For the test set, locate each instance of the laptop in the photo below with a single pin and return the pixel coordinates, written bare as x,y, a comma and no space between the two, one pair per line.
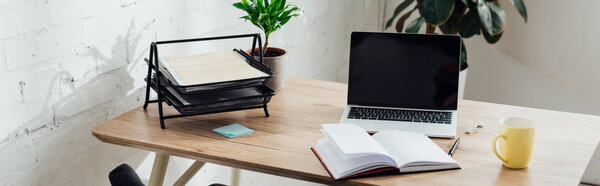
403,82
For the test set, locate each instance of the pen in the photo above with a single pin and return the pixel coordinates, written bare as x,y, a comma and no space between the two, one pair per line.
451,152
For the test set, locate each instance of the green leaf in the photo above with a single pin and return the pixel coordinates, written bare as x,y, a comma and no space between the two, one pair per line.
463,55
521,8
239,5
451,26
415,25
284,21
397,11
288,12
282,4
259,6
498,17
491,16
470,24
277,12
248,8
435,12
274,6
262,17
485,15
268,15
268,21
491,39
274,13
403,18
247,18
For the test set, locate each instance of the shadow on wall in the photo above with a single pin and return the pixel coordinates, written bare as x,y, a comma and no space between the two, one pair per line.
63,151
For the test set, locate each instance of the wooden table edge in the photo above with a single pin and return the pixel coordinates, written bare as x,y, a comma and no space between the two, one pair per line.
215,160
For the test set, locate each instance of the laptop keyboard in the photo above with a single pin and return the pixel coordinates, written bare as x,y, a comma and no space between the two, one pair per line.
400,115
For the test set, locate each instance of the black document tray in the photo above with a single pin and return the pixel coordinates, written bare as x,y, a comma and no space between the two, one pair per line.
208,98
216,101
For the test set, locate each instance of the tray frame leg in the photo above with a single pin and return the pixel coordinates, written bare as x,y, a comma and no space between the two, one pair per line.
148,78
265,107
158,85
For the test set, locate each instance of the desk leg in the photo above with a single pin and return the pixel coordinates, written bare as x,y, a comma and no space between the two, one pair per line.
235,176
189,173
159,169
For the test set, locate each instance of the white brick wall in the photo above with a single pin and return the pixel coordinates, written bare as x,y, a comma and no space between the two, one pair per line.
67,66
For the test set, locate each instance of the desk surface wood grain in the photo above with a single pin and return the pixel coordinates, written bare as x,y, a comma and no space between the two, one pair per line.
280,144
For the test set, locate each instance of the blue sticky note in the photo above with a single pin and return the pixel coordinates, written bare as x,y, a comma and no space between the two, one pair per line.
233,130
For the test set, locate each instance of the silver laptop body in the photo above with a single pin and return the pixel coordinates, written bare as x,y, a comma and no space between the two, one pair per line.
404,82
429,129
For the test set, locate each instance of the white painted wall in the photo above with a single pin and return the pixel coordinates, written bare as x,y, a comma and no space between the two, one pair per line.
550,62
67,66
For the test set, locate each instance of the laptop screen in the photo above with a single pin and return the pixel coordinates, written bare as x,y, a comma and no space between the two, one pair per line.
404,70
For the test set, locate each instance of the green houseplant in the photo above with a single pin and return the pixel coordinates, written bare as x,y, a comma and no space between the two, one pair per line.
269,16
465,17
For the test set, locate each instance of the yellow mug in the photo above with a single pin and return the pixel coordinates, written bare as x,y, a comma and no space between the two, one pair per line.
516,142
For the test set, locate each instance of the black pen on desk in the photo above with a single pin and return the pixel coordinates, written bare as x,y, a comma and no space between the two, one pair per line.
454,147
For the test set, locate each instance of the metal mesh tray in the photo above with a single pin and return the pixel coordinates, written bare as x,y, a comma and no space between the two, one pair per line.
226,85
216,101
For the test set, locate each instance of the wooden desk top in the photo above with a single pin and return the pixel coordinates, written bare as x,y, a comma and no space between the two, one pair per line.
280,144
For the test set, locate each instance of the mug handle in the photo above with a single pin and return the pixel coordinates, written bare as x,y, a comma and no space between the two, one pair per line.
494,146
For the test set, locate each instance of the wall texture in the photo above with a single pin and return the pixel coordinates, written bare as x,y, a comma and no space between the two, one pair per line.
66,66
550,62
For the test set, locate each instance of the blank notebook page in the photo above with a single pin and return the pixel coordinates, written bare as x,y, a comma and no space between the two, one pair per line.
407,147
210,68
351,140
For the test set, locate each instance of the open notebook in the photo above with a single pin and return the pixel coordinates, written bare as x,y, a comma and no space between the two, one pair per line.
348,151
208,68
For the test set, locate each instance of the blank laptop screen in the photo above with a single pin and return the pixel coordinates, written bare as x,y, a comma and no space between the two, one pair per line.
404,70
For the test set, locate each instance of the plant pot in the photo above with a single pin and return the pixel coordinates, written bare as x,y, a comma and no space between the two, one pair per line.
275,60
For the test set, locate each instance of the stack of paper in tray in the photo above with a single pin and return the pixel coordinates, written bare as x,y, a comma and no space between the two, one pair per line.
208,68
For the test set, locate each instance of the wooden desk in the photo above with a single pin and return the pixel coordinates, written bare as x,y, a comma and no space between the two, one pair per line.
280,144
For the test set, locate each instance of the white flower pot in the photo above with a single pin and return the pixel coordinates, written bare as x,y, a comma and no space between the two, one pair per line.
278,66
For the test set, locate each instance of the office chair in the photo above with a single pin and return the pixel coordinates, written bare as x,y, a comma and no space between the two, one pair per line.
124,175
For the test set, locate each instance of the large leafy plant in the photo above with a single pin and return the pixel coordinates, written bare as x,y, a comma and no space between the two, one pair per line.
464,17
268,15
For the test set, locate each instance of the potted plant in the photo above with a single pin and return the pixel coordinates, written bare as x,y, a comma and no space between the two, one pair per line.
464,17
270,16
